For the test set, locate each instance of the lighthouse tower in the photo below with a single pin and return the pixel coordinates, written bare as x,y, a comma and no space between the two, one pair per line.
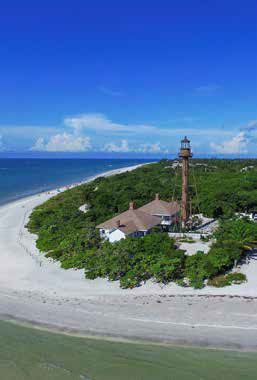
185,153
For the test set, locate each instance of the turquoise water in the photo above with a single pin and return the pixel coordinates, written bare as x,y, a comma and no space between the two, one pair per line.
23,177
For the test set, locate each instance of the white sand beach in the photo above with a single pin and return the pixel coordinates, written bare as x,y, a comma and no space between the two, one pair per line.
35,289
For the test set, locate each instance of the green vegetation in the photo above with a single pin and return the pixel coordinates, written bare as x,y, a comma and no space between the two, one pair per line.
69,235
29,354
241,231
223,254
226,280
135,260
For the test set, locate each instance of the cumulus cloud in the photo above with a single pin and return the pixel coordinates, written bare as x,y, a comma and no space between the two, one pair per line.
150,148
63,143
238,144
73,134
244,140
113,147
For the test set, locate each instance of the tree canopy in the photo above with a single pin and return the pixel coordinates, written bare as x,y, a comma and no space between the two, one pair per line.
219,188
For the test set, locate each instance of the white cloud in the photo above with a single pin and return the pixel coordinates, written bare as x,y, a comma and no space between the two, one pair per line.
238,144
250,126
113,147
63,143
73,134
125,147
150,148
100,123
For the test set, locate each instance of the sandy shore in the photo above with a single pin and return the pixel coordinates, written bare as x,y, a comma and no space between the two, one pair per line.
35,289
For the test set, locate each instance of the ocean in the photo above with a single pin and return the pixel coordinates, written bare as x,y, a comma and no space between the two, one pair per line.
23,177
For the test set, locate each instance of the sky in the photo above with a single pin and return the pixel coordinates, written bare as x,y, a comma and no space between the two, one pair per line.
128,77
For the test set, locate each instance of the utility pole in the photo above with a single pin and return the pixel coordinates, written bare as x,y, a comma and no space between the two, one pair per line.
185,154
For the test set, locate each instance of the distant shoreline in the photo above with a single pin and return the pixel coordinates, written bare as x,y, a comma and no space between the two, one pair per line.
72,184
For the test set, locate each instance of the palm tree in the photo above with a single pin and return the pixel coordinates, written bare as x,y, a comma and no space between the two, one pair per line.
240,231
245,235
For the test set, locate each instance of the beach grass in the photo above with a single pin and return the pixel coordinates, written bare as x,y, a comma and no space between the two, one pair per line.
29,354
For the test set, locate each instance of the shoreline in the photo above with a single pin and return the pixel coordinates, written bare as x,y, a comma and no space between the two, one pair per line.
73,184
35,288
58,330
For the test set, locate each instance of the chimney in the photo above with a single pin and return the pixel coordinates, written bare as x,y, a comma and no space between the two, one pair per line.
117,223
131,205
157,197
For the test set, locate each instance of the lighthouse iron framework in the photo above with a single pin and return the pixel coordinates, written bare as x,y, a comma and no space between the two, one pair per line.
185,153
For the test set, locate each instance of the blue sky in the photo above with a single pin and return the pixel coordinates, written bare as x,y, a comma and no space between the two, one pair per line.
128,76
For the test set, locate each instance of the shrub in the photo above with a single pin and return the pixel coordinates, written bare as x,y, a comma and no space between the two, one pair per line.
134,260
236,278
129,281
223,254
197,269
181,282
218,281
226,280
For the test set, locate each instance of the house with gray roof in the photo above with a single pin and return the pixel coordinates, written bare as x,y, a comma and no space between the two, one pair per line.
139,222
168,212
132,222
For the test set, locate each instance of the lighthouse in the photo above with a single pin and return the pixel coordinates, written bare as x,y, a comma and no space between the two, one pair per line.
185,153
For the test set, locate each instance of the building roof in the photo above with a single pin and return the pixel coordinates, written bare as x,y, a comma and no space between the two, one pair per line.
128,228
130,221
159,207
